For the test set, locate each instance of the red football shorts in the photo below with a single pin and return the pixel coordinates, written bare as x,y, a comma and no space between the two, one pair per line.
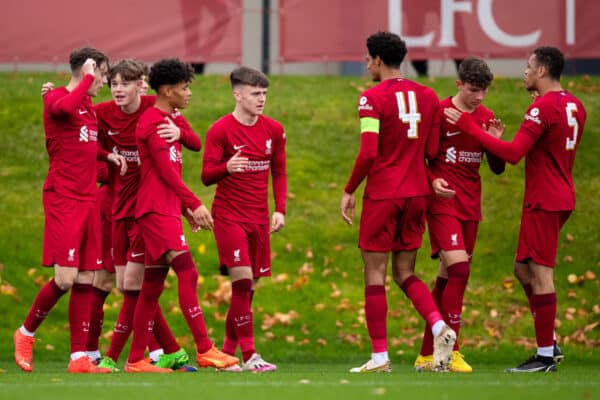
392,225
104,205
538,236
243,244
71,233
128,244
161,233
446,232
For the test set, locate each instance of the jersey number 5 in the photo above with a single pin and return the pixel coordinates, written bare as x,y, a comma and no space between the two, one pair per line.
409,115
572,122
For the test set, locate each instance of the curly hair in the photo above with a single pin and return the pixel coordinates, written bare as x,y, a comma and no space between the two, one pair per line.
78,56
551,58
475,71
390,48
129,69
170,71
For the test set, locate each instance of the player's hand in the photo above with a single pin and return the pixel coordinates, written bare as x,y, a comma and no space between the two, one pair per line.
89,67
452,115
494,127
189,215
47,87
169,131
442,189
202,218
118,160
237,164
277,222
347,207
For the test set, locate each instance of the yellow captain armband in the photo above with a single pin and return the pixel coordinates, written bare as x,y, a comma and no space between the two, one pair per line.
368,124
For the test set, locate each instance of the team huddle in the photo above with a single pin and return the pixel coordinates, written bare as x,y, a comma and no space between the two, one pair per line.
421,158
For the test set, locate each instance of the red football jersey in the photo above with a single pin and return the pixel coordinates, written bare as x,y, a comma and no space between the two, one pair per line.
71,141
116,133
244,196
555,123
458,160
161,189
406,114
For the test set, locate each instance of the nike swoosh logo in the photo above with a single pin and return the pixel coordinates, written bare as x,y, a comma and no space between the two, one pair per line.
136,254
242,323
98,262
81,112
263,270
236,148
111,133
452,133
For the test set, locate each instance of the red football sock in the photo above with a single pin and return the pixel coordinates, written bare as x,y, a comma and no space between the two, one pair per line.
162,337
376,314
436,293
96,318
545,313
230,342
240,315
421,299
79,315
452,299
145,311
187,286
46,298
123,325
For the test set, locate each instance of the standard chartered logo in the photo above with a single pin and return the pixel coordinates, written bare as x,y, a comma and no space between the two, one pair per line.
451,155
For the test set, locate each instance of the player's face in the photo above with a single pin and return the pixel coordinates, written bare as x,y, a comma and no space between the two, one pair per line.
251,99
470,95
100,79
373,67
143,90
531,73
180,95
124,92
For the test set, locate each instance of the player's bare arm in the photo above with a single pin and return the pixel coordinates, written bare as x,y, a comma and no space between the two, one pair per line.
347,207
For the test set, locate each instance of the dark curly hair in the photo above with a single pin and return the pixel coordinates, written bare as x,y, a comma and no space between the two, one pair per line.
390,48
170,71
551,58
78,56
475,71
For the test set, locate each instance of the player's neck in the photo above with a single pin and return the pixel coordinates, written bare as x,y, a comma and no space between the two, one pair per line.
390,73
460,105
133,106
162,103
244,118
549,86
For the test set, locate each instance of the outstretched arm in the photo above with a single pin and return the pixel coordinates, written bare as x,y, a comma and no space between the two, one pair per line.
508,151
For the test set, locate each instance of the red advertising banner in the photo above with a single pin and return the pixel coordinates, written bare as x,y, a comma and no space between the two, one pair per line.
36,31
335,30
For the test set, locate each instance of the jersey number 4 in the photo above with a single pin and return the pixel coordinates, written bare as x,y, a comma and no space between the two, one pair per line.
409,115
572,122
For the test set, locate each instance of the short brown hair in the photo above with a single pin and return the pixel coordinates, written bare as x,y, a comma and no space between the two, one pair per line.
78,56
248,76
129,69
475,71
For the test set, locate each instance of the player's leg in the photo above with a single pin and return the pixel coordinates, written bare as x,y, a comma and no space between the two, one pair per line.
102,285
375,241
407,239
538,244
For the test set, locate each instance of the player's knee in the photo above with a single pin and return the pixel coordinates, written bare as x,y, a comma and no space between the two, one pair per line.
459,271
